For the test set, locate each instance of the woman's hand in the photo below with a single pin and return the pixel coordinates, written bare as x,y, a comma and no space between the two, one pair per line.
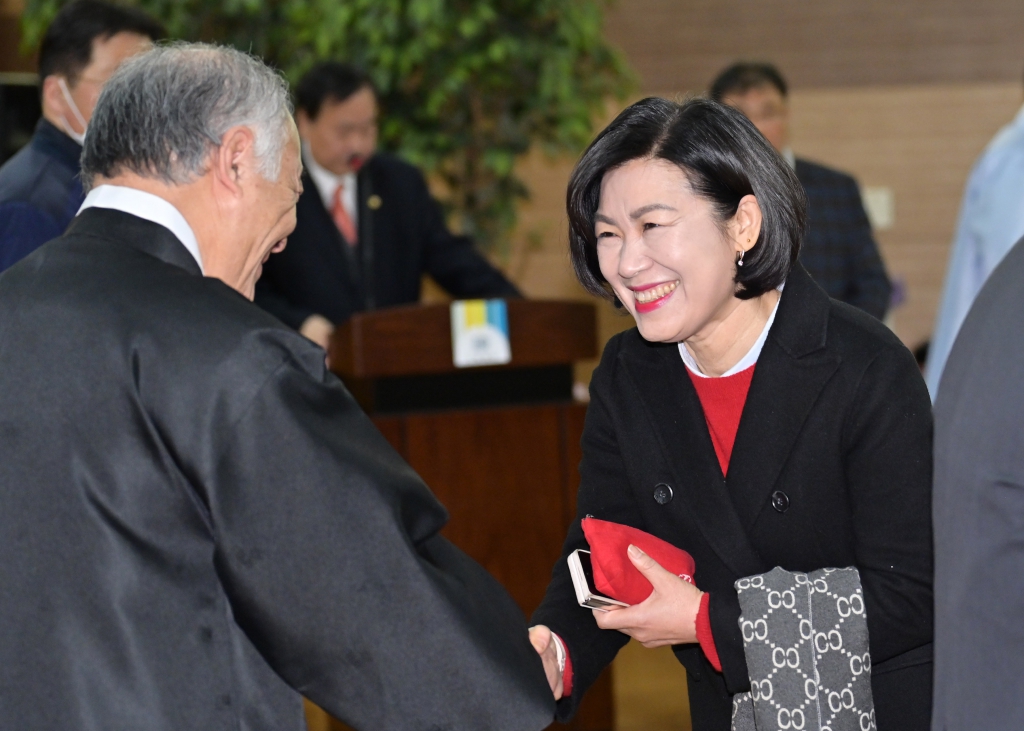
544,643
667,617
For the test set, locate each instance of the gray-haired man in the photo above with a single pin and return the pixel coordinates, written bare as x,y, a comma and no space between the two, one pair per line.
198,522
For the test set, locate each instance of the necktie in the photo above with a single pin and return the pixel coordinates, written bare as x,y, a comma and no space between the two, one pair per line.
341,217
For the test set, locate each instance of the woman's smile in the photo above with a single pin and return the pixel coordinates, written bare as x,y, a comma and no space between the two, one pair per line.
652,296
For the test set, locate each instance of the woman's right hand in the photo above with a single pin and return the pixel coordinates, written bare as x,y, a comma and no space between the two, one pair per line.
543,642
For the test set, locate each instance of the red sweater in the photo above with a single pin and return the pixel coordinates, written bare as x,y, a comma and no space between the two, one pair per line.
722,400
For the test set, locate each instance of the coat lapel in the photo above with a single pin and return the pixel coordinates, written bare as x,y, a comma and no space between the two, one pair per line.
791,372
677,422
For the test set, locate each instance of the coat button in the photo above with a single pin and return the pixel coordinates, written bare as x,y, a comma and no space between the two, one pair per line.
662,493
780,501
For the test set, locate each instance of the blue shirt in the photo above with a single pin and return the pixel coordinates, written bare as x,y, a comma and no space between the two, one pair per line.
991,222
40,192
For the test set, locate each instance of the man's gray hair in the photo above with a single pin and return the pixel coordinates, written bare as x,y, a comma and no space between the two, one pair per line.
165,110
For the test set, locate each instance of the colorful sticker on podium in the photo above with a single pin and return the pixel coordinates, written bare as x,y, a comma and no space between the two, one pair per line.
480,333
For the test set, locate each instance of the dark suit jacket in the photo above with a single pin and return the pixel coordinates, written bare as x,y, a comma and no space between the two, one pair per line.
399,241
199,522
979,513
831,468
40,192
839,250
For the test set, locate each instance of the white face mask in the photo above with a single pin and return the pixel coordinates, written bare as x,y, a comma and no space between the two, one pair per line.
78,137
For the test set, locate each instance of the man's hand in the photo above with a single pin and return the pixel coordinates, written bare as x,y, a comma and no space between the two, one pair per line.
318,329
667,617
544,643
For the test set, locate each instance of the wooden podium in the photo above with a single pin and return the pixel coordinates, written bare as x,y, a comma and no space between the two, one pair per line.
498,445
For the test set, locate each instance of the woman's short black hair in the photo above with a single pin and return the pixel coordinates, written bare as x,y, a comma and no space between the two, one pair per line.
329,80
724,158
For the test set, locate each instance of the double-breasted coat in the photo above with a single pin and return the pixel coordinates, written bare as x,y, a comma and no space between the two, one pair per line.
831,468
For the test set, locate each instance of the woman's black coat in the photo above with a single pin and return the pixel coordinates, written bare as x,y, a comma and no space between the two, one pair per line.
831,468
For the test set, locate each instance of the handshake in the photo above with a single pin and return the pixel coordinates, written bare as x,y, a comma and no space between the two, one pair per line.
668,616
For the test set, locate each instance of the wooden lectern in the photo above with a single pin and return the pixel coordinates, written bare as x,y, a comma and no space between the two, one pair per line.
498,445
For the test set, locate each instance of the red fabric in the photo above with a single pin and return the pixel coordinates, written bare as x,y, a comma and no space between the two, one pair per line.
704,636
615,575
341,218
722,400
567,673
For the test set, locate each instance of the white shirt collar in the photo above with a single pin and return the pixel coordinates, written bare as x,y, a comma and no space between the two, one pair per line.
789,156
148,206
747,360
327,182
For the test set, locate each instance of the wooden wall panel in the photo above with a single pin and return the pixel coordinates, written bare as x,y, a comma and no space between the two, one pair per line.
682,44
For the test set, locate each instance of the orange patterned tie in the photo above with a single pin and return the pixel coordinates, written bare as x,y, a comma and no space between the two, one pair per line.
341,217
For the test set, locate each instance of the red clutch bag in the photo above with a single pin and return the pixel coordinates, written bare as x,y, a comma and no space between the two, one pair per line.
615,575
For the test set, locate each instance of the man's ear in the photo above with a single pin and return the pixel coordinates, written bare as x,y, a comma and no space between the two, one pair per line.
53,100
234,162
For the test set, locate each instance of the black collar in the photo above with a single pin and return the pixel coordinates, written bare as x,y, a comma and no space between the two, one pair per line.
137,233
55,143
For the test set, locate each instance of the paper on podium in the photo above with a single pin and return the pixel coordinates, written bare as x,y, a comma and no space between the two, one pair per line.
480,333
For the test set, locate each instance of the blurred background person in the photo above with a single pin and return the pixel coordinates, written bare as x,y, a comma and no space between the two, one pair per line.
991,221
367,227
979,513
839,249
40,190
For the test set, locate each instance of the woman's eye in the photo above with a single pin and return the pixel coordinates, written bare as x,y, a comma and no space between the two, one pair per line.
605,234
648,226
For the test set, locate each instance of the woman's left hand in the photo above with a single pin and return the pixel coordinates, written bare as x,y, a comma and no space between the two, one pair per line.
667,617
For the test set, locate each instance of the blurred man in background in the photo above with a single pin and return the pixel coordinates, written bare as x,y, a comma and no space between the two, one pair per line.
367,227
839,250
991,221
40,191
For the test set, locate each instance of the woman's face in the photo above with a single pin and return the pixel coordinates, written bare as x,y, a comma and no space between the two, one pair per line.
664,253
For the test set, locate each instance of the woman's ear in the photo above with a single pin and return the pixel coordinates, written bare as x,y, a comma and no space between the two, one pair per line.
746,224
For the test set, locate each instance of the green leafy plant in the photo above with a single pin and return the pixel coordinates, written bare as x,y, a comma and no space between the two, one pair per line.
467,86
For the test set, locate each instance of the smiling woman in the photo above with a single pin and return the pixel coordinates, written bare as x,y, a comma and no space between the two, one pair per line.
748,419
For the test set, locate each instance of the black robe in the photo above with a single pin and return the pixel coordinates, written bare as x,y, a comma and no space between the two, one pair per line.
198,522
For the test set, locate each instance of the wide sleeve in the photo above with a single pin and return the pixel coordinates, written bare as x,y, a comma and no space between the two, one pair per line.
327,545
887,441
603,492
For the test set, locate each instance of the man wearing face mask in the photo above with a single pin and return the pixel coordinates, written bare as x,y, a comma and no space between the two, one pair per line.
40,190
367,227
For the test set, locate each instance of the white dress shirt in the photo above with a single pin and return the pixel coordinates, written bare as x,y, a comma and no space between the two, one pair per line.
327,182
148,206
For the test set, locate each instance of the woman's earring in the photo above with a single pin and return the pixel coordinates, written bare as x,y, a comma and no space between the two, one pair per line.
739,259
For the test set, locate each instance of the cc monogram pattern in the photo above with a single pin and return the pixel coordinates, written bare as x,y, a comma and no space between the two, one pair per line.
805,638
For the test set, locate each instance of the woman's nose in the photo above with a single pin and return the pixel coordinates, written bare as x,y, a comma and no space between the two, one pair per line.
633,257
